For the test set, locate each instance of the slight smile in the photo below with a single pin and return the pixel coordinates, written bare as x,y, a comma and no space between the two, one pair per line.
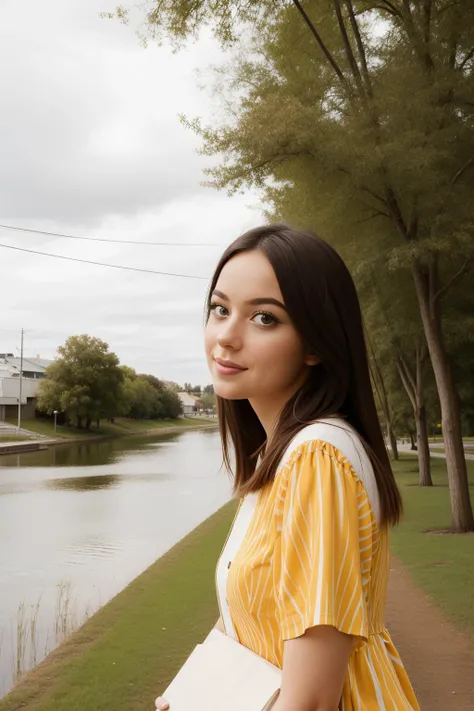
227,367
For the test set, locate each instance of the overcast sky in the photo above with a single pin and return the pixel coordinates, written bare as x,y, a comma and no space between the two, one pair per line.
91,145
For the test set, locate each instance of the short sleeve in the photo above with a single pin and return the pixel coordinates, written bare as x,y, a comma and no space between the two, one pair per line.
324,544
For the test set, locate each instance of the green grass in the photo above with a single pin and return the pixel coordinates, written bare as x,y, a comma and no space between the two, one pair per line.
14,438
119,428
127,653
438,439
441,564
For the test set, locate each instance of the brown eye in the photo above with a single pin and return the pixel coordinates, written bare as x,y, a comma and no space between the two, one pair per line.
265,319
218,310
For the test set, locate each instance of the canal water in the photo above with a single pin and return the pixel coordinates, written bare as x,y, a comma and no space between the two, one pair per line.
78,522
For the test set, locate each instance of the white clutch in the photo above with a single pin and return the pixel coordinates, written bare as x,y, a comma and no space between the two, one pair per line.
223,675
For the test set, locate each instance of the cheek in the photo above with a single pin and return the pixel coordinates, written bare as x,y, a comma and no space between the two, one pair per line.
209,339
281,355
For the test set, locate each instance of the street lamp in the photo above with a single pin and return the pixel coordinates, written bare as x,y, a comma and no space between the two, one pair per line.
55,413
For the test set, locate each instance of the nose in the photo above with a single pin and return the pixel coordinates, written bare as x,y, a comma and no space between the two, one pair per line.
229,334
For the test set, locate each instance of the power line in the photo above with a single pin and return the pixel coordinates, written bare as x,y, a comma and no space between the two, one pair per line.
103,239
102,264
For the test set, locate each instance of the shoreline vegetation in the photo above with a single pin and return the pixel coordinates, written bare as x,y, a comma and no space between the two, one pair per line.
128,652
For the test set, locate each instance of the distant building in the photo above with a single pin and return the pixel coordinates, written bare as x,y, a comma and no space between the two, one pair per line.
33,371
189,402
32,367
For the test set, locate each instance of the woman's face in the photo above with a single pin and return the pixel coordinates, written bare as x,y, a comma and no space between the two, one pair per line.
252,348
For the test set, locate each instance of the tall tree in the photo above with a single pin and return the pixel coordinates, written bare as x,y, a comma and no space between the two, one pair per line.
83,382
327,108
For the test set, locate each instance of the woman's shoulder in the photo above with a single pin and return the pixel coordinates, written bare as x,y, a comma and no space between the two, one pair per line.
333,431
345,443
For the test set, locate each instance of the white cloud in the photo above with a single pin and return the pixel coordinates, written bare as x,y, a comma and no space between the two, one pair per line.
91,145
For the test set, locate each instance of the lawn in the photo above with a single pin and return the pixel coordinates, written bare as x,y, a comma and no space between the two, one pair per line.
439,439
127,653
441,564
14,438
120,427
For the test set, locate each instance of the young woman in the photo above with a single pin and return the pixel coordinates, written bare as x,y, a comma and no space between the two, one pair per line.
303,575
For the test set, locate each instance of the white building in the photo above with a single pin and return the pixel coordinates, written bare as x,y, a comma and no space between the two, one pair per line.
33,373
189,402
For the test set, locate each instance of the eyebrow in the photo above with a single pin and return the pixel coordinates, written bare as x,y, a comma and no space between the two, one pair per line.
253,302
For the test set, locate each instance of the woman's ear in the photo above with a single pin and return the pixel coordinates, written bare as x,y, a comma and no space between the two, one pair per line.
312,359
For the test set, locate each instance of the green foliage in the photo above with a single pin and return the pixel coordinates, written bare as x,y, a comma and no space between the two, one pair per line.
147,397
208,401
172,405
179,20
140,400
155,383
84,382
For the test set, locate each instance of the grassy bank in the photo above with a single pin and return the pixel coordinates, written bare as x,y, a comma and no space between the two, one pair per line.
13,438
441,564
127,653
119,428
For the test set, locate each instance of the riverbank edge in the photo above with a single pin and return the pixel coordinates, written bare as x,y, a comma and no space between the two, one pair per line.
128,651
40,444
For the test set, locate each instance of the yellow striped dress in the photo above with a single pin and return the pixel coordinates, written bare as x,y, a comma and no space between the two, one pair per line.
311,554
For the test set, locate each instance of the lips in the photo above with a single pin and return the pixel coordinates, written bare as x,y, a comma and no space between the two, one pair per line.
228,367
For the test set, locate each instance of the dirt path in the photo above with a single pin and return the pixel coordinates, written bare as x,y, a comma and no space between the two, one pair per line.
438,658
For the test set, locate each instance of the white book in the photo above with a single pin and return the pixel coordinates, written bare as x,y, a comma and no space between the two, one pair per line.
223,675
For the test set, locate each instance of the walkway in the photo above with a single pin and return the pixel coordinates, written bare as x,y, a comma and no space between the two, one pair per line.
468,450
438,658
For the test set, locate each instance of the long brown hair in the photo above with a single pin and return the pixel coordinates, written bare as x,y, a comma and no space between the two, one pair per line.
321,300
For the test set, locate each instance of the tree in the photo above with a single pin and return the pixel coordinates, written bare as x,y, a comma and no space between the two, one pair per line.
172,405
208,401
84,382
155,383
144,396
141,401
325,109
174,387
397,346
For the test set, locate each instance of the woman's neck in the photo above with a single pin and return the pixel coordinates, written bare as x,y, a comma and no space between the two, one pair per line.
268,412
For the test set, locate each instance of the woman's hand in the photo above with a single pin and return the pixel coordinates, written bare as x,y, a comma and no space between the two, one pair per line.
161,703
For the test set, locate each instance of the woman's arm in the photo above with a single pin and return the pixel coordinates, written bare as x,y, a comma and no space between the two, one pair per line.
314,669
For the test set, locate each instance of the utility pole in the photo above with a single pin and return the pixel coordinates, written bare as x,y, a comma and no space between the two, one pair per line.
21,381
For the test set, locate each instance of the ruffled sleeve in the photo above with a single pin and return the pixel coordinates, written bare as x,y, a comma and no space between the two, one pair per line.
324,546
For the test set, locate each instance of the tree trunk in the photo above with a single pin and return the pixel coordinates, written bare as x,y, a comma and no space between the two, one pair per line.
426,284
393,441
79,422
88,423
413,443
424,464
413,383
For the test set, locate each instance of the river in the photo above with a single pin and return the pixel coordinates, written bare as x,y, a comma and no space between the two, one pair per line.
80,521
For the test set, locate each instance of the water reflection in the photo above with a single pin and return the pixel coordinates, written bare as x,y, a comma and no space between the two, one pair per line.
83,483
93,453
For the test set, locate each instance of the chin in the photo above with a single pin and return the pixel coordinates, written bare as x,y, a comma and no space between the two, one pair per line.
230,391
